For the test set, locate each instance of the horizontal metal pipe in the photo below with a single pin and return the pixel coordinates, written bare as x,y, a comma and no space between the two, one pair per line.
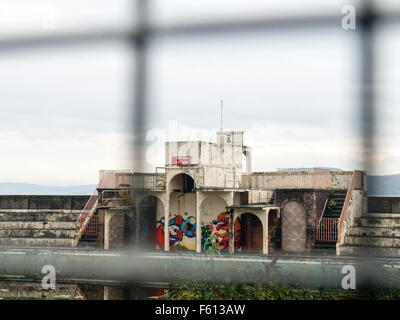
183,29
139,267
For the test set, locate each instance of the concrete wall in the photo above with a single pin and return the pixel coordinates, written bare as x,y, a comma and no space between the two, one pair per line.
313,202
294,225
356,210
213,210
43,202
182,215
384,205
298,180
116,229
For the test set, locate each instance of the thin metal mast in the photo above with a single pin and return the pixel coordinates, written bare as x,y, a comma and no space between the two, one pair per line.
222,106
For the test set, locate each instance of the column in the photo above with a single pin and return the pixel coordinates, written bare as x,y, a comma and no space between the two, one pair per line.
232,232
266,233
107,219
166,223
199,198
137,225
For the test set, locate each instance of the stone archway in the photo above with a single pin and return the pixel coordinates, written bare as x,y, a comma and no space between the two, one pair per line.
181,182
151,212
294,227
121,231
248,234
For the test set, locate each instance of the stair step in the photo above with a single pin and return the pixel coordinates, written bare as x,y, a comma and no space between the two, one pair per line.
35,242
345,250
48,233
372,241
34,290
374,232
43,225
378,222
38,216
383,215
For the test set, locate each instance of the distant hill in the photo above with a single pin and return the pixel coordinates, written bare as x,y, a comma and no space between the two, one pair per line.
34,189
384,185
388,185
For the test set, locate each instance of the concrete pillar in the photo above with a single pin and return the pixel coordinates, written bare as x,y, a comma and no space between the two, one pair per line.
247,153
199,199
166,223
232,232
137,224
107,218
266,233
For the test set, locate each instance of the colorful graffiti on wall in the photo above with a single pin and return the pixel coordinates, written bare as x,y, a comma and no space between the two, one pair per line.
220,227
181,228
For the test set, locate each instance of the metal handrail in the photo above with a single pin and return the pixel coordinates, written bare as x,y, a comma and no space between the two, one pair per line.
322,214
86,214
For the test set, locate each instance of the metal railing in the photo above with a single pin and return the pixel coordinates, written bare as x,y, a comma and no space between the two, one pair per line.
85,223
115,179
322,214
114,197
327,230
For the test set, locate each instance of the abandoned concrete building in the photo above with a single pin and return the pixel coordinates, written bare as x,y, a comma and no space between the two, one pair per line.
209,189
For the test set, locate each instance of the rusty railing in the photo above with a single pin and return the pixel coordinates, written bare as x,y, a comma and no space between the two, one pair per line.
327,230
86,223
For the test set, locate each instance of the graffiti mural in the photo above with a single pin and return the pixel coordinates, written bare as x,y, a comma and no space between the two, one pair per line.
220,227
179,228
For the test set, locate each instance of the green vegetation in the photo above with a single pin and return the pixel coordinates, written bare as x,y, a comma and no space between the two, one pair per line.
211,246
331,204
200,290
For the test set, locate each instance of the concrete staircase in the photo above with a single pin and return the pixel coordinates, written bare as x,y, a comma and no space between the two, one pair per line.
376,234
38,227
338,197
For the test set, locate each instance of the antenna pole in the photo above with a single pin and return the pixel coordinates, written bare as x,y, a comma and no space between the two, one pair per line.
222,106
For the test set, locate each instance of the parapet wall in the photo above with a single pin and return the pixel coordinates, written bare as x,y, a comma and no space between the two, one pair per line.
299,180
35,202
384,205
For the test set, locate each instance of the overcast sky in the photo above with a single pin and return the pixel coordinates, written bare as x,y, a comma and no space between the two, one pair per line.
64,111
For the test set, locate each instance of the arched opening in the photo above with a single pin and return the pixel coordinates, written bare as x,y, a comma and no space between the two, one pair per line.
248,233
294,227
214,220
182,183
182,213
151,230
121,231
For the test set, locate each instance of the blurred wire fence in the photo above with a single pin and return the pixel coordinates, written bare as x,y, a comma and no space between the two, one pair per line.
144,30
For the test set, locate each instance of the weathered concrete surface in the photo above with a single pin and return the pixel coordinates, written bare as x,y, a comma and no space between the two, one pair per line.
362,251
28,216
164,267
372,241
374,232
371,234
33,290
37,227
41,225
35,242
43,202
379,222
46,233
384,205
